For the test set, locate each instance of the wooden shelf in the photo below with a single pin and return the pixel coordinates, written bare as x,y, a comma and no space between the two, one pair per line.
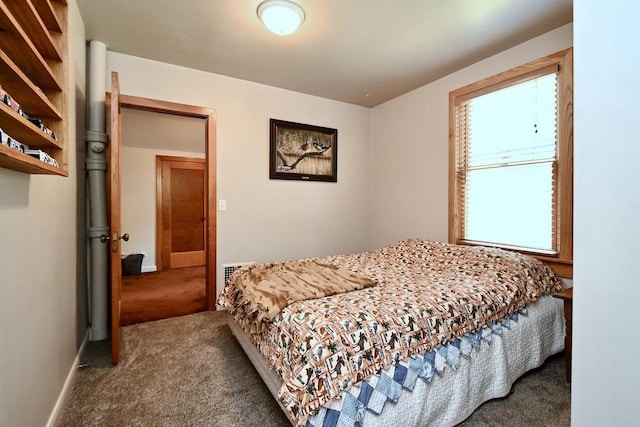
18,85
15,42
27,16
24,131
17,160
33,64
48,15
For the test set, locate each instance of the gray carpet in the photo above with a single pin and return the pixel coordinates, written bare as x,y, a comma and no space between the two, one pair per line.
190,371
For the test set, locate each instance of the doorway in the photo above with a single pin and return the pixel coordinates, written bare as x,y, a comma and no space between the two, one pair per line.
184,281
180,212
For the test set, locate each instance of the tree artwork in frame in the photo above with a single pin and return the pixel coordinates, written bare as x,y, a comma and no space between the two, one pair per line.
303,152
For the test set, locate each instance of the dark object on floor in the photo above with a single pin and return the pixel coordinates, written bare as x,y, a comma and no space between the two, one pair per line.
132,265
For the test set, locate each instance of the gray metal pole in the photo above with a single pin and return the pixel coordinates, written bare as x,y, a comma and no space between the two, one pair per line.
96,138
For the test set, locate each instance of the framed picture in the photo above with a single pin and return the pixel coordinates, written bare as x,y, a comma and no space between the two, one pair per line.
303,152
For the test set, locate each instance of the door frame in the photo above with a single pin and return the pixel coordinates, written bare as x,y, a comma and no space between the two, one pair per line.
115,210
209,116
161,262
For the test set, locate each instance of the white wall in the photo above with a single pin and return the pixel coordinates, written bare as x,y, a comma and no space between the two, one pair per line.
410,147
606,212
268,219
138,168
42,287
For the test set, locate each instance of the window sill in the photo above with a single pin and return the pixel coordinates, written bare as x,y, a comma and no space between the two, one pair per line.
562,267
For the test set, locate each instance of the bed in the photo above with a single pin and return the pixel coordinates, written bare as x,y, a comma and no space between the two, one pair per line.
416,333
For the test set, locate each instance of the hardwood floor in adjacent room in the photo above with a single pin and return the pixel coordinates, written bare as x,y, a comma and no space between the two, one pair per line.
162,294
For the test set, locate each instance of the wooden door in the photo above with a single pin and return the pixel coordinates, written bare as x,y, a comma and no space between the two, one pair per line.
114,216
181,211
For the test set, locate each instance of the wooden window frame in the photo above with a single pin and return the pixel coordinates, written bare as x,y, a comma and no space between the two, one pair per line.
562,262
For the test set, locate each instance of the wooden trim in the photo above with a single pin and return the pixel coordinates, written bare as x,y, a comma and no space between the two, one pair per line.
181,159
63,98
164,219
212,223
565,154
513,76
173,108
209,115
187,259
562,267
454,219
115,209
159,263
166,107
567,296
563,62
493,84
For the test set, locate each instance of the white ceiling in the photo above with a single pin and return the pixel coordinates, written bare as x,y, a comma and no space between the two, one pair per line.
363,52
157,131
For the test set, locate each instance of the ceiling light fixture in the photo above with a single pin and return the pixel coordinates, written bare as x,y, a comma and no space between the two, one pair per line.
281,17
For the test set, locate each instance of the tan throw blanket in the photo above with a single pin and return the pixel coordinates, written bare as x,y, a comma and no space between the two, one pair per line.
268,288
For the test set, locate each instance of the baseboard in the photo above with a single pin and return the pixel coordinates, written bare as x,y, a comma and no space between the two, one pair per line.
65,393
149,268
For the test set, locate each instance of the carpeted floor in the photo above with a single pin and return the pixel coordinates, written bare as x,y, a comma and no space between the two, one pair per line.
162,294
190,371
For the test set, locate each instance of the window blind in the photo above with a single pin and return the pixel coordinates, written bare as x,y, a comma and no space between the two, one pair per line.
507,165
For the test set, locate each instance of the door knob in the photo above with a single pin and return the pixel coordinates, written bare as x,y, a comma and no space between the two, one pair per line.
114,239
104,237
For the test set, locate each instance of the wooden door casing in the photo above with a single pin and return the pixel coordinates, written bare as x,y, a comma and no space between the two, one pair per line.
209,117
180,212
114,216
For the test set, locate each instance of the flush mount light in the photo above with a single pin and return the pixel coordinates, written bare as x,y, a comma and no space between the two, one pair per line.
281,17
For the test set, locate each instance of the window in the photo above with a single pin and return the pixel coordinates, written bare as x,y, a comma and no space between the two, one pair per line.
511,161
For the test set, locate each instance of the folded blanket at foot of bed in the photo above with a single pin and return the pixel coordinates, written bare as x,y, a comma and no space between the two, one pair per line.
268,288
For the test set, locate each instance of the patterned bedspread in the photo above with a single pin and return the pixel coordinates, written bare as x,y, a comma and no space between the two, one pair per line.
428,295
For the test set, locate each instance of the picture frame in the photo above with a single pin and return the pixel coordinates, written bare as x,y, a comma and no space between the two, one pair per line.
303,152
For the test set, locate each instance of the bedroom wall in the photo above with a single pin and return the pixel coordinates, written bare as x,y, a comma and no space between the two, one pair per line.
268,219
139,199
42,269
409,147
606,210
